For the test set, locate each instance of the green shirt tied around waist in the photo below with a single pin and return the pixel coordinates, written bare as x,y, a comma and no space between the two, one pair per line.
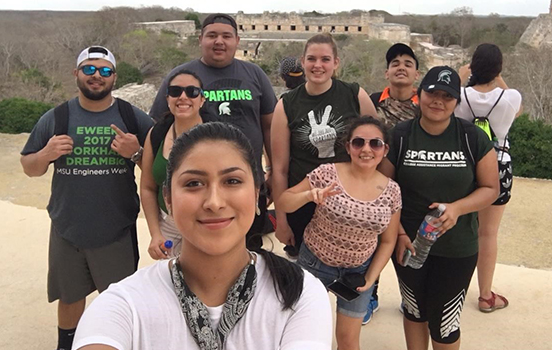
159,170
435,169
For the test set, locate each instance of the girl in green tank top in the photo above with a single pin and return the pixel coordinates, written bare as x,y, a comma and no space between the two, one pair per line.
184,98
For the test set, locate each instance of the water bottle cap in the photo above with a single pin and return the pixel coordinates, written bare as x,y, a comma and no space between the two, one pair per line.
442,207
168,244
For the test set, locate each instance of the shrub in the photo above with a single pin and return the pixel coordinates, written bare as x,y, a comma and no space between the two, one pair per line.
126,74
170,57
19,115
191,16
531,148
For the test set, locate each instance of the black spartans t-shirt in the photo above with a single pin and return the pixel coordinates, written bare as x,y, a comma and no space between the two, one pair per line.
317,126
435,169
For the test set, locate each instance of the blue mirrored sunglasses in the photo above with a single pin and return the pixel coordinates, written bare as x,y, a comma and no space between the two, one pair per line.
89,69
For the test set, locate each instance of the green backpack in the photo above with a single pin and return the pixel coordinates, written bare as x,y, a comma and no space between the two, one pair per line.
483,122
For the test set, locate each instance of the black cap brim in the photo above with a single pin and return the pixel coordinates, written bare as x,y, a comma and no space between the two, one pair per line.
446,88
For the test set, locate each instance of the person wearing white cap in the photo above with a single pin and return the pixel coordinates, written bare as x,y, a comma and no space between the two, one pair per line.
94,141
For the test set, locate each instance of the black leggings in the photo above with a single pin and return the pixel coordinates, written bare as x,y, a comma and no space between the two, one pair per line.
435,294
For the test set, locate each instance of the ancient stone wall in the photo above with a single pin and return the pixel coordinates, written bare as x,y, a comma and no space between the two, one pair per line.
539,32
390,32
183,28
140,95
417,38
293,22
452,56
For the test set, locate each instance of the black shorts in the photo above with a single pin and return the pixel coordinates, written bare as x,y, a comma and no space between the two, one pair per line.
505,178
435,294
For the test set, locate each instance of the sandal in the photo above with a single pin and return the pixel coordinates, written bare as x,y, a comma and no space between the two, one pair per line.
492,303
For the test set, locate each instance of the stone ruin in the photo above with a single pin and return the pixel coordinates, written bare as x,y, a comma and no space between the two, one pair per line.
539,31
140,95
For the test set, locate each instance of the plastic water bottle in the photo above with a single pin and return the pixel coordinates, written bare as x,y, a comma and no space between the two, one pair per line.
425,237
168,246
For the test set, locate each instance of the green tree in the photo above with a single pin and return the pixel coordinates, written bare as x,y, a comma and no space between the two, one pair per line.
192,16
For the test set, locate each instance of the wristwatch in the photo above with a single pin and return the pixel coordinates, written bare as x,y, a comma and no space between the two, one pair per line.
135,158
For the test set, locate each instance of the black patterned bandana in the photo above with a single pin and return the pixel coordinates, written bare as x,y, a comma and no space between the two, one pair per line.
196,313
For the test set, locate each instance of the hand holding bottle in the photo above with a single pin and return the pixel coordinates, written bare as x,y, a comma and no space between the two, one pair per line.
447,219
166,247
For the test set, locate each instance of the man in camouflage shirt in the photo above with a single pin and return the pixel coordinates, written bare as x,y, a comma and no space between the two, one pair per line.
398,101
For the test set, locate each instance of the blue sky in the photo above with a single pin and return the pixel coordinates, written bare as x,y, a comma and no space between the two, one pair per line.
503,7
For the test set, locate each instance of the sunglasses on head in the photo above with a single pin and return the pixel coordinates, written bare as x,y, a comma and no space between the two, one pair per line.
89,69
359,142
191,91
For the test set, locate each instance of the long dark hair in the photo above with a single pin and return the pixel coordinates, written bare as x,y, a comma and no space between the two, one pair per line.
486,64
286,276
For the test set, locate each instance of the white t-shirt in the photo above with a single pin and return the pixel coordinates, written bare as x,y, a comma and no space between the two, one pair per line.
502,116
142,312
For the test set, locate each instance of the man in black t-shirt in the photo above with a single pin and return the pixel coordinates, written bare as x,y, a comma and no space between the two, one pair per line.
236,92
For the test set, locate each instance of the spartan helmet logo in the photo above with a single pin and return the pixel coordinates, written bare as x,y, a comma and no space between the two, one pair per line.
444,76
224,108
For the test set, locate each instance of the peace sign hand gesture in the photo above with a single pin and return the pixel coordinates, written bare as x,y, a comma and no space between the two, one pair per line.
318,195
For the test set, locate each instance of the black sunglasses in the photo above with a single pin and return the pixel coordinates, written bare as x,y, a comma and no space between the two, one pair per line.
359,142
191,91
89,69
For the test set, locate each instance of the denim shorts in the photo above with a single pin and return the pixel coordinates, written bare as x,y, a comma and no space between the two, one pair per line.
327,274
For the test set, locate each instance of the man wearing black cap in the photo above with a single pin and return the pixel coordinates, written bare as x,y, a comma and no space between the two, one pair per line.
398,101
93,141
236,92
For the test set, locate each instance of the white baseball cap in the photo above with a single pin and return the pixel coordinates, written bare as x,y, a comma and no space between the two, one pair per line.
96,52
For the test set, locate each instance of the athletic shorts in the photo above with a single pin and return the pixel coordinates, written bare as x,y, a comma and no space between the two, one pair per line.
73,273
435,294
505,177
327,274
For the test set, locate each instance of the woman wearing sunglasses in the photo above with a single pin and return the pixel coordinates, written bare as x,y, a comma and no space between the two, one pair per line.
309,123
185,98
439,159
356,205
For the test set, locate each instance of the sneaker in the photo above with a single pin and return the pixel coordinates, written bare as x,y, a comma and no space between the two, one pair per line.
373,306
401,308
